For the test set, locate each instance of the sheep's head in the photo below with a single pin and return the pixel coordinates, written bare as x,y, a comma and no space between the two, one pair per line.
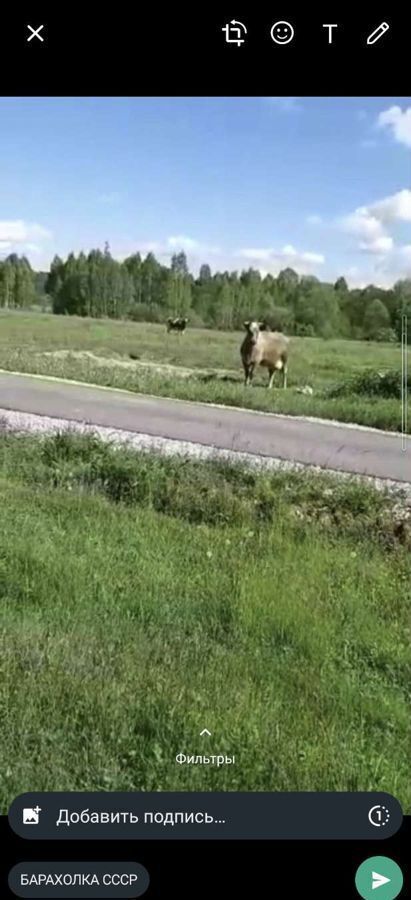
253,329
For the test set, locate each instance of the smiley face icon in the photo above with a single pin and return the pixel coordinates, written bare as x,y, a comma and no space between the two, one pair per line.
282,32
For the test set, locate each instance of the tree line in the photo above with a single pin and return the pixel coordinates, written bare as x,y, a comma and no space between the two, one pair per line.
143,289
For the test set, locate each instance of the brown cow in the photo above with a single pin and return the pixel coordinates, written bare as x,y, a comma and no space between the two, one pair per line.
178,324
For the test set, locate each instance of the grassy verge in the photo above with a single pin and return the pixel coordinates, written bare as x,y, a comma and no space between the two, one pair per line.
203,365
144,598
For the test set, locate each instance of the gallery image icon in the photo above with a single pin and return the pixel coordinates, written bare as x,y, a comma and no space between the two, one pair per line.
235,32
31,815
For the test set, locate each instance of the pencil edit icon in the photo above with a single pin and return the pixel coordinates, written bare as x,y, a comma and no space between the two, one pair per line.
378,33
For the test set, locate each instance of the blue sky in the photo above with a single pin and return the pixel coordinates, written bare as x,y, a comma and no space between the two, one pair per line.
321,184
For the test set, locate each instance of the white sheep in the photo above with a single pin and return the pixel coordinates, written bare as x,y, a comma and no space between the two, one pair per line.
264,348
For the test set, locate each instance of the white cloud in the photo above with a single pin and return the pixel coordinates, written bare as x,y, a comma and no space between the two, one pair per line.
404,261
275,260
189,245
178,243
16,231
286,104
270,259
313,219
18,236
405,250
382,244
370,223
387,268
396,264
196,251
33,248
261,253
397,121
362,224
353,275
372,226
316,258
395,207
182,242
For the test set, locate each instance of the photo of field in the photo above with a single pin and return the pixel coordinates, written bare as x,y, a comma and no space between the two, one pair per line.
205,483
351,381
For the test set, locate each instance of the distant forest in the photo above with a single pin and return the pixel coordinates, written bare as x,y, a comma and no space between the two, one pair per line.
143,289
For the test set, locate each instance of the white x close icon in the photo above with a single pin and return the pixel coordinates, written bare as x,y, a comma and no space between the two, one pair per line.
35,33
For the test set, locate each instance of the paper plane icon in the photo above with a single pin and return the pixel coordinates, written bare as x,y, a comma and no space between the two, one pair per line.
378,880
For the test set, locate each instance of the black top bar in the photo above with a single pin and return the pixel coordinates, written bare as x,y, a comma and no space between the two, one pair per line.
155,52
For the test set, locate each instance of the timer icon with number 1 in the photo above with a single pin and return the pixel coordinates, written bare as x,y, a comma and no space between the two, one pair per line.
379,816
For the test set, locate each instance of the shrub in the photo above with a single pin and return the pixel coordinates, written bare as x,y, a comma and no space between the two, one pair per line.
386,335
144,312
370,383
303,330
280,318
213,493
194,319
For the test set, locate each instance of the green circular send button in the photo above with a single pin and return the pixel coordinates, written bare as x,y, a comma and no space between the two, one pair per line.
379,878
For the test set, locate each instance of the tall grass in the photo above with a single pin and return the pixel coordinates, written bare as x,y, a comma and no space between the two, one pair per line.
146,598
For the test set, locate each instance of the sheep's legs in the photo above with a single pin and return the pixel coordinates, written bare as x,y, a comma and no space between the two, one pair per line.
272,373
249,372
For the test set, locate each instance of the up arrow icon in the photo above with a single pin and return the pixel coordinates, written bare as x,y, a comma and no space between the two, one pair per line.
205,731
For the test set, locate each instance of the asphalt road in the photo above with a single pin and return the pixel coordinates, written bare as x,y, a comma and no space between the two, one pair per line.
327,445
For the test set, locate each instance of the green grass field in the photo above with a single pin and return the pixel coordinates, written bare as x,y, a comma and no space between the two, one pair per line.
200,365
144,598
